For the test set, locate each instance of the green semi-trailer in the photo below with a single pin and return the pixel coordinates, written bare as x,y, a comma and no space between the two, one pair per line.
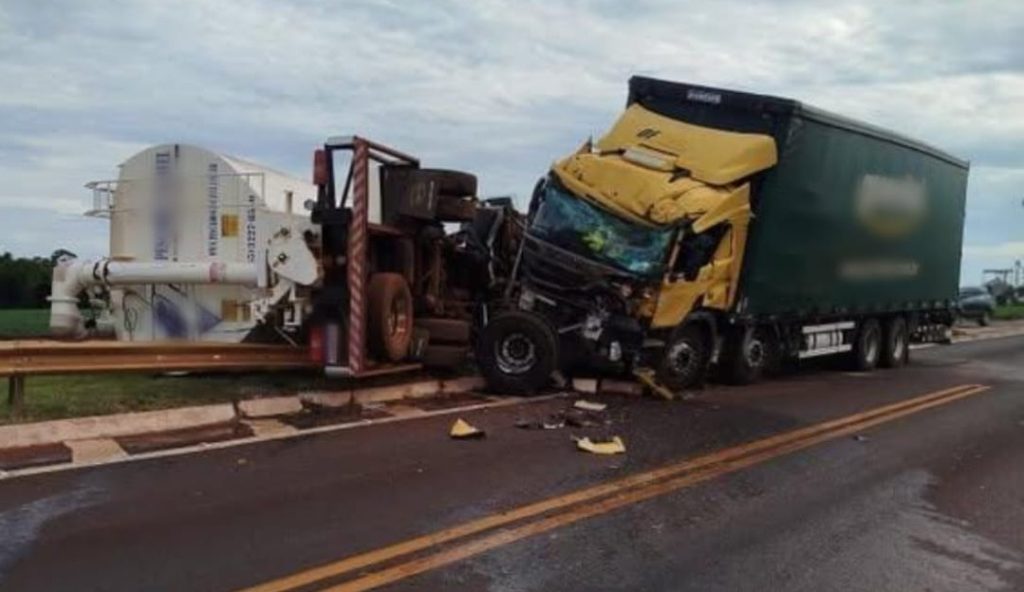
713,226
852,219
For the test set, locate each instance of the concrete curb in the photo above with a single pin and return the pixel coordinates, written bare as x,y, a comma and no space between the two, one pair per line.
269,407
380,394
133,424
112,426
966,337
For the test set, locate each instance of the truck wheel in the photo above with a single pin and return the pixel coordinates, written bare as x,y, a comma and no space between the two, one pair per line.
895,343
985,319
389,316
868,346
517,353
748,354
685,359
455,209
449,182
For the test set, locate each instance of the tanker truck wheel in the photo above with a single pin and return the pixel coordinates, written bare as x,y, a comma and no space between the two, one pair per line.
517,352
895,343
389,316
685,359
867,347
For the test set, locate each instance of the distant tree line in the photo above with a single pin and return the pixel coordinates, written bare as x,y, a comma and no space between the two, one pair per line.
25,282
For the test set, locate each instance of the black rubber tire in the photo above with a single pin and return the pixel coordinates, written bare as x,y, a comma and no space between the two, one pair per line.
867,346
895,343
445,330
455,209
517,352
389,318
682,374
450,182
445,356
748,354
985,319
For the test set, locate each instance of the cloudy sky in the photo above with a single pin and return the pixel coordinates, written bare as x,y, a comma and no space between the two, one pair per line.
498,88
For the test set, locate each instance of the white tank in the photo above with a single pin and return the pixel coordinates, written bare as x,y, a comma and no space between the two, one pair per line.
176,202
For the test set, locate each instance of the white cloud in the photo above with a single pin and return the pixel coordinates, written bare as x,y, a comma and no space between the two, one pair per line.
499,88
51,169
1004,250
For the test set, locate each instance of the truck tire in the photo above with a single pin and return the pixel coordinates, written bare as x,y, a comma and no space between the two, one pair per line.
389,316
867,346
895,343
747,355
445,330
449,182
444,356
517,352
456,209
685,359
985,319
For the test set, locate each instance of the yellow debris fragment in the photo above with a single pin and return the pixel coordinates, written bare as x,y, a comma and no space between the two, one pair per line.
646,377
462,429
613,446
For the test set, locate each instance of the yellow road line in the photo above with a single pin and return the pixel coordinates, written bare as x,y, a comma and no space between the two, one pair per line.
603,506
611,488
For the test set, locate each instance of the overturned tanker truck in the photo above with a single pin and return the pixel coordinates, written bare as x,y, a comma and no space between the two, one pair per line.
378,266
717,228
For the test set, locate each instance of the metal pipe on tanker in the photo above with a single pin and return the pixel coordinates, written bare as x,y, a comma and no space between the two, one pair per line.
175,272
71,276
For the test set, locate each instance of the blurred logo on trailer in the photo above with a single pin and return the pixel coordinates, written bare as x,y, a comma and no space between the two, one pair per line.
890,207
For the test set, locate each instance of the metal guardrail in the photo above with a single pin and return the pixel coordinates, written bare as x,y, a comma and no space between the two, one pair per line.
19,359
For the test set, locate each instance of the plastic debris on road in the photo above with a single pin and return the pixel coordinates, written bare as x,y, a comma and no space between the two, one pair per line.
613,445
463,430
553,422
579,418
527,424
589,405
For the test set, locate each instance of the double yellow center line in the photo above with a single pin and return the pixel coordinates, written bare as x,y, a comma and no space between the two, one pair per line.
566,509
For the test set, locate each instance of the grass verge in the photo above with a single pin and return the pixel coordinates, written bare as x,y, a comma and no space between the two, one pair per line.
59,397
24,322
1010,312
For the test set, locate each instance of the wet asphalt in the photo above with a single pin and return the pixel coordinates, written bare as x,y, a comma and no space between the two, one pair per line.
933,501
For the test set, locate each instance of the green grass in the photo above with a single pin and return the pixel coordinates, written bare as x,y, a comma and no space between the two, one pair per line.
1010,312
58,397
24,322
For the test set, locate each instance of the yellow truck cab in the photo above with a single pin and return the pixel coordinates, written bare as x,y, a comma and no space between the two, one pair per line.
637,252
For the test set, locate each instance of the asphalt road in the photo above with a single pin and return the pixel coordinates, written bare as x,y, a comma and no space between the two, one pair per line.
933,500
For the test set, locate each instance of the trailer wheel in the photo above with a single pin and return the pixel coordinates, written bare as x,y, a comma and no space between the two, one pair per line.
517,353
748,354
685,359
895,345
389,316
868,346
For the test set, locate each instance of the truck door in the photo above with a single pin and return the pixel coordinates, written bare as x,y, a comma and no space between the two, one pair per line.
705,265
